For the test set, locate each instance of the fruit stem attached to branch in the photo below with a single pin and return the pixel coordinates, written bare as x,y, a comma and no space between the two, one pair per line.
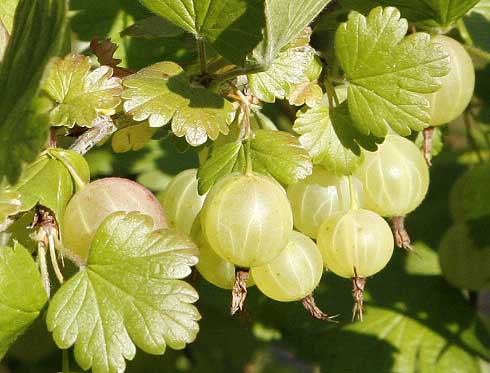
245,103
309,304
353,196
239,291
402,238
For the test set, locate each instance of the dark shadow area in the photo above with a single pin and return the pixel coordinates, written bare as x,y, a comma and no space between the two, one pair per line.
304,340
198,97
96,18
478,27
349,135
243,33
432,218
167,159
430,301
482,91
102,19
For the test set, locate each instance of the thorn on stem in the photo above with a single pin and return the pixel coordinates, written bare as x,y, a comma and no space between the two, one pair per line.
402,238
239,291
358,293
428,134
309,304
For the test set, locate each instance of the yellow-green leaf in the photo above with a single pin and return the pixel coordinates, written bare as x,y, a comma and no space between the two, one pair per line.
161,93
388,73
79,95
130,294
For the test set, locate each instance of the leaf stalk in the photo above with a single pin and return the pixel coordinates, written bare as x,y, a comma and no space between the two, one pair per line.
201,51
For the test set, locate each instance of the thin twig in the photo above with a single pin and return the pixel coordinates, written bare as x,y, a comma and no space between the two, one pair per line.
103,127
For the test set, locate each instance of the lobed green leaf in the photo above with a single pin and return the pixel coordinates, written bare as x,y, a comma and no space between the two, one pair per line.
131,293
474,33
388,72
161,93
289,68
330,137
78,94
231,26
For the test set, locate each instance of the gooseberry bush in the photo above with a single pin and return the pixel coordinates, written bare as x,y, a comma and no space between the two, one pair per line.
244,185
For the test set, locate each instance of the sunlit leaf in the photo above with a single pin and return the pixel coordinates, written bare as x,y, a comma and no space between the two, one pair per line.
130,294
388,72
161,93
288,68
233,27
80,95
284,21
